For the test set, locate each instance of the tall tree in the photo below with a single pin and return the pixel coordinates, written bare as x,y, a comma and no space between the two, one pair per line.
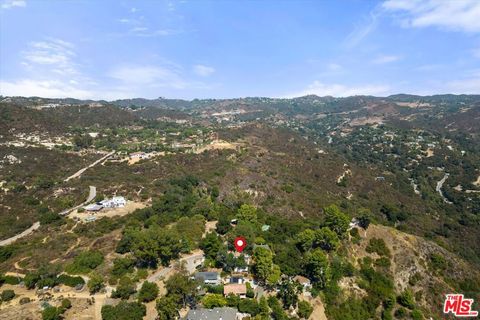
336,220
317,267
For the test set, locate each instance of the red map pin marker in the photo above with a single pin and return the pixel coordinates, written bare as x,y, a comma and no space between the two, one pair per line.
240,243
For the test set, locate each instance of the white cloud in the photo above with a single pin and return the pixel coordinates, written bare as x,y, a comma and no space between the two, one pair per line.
139,28
42,88
456,15
133,10
383,59
54,54
362,30
339,90
146,32
203,71
8,4
155,76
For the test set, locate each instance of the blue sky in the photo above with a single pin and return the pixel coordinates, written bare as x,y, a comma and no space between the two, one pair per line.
225,49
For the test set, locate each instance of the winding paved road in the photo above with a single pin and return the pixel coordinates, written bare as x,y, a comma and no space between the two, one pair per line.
92,194
25,233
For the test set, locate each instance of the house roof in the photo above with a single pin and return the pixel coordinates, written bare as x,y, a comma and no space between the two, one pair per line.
212,314
93,207
206,276
302,280
235,289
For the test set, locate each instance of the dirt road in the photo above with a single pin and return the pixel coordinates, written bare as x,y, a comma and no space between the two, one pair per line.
79,172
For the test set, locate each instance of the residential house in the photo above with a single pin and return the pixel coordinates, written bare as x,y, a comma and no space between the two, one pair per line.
238,289
305,282
212,314
211,278
237,279
247,259
139,155
115,202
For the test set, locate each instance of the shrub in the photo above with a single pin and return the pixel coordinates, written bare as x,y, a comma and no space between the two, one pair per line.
7,295
124,311
122,266
378,246
148,292
406,299
124,289
305,309
11,280
383,262
66,304
437,261
5,253
400,313
69,280
24,300
416,315
95,283
49,217
51,313
85,262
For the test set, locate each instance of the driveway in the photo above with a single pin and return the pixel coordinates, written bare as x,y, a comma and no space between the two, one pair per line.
79,172
91,195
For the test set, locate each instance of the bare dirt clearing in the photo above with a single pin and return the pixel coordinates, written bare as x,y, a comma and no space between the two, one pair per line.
108,212
217,145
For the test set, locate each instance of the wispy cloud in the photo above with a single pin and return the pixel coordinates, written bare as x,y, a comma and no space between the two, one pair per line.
459,15
51,72
8,4
202,70
339,90
363,29
43,88
55,53
150,75
384,59
139,27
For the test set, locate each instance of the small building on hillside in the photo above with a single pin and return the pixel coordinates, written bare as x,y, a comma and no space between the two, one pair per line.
211,278
212,314
305,282
93,207
238,289
115,202
139,155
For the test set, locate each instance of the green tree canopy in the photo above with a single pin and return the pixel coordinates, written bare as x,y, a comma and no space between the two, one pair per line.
336,220
248,213
317,267
213,300
148,292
